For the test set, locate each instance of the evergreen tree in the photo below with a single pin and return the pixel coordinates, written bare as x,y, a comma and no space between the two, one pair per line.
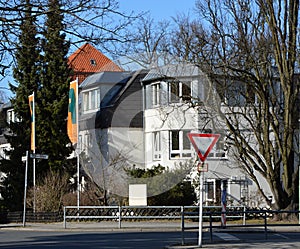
26,74
52,100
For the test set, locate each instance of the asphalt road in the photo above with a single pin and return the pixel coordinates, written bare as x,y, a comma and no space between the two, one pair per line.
73,239
159,238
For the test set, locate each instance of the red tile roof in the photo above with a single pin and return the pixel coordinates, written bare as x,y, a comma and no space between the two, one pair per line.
88,60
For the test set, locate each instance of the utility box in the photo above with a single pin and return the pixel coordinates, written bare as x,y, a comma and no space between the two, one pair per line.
138,195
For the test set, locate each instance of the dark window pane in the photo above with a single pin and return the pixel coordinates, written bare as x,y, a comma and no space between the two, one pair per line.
175,140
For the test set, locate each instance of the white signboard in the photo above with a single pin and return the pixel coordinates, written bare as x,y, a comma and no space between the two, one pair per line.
138,195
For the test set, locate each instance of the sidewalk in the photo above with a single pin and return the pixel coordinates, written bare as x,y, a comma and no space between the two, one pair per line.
98,226
141,225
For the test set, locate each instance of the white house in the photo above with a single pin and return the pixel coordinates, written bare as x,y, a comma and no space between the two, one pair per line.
176,103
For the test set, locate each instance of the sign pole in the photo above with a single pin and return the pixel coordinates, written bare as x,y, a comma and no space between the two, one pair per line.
25,190
201,181
203,143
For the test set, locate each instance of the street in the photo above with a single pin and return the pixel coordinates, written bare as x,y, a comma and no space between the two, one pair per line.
17,238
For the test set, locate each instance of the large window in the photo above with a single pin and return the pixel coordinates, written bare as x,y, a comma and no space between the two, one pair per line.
179,91
180,146
169,92
156,146
91,100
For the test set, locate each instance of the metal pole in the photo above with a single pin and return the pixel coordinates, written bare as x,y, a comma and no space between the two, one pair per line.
65,223
182,225
34,186
78,182
200,208
78,146
120,216
25,190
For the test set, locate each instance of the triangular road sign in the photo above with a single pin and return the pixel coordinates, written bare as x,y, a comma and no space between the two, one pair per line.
203,143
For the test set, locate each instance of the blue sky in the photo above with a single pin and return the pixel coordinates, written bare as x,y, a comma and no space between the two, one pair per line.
159,9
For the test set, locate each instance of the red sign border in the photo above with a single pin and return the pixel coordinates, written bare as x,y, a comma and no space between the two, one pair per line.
191,138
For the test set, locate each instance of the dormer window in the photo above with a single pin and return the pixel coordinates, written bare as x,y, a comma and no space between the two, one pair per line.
93,62
91,100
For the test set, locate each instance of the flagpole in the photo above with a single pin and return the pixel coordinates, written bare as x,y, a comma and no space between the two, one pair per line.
33,148
77,147
25,190
73,128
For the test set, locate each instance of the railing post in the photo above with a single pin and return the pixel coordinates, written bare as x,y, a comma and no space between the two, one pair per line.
120,215
210,227
244,216
266,233
65,224
182,225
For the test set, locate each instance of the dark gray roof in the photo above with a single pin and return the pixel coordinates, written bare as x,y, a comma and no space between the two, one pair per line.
172,71
6,105
126,108
105,78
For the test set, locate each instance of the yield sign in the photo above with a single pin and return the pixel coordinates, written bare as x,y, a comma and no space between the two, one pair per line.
203,143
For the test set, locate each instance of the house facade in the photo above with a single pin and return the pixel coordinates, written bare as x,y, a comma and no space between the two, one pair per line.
111,127
175,101
143,119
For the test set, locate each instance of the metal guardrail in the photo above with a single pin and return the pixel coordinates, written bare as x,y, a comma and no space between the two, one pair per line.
265,214
121,213
182,213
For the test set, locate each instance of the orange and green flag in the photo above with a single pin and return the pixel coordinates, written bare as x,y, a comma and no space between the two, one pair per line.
32,121
72,112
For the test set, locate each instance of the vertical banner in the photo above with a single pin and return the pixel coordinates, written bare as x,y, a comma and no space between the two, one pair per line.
73,113
32,121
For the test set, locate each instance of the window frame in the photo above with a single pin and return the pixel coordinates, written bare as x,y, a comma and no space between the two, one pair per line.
182,151
180,96
156,138
156,91
91,100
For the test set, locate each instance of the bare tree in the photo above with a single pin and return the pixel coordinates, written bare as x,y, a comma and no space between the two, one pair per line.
250,50
149,43
98,22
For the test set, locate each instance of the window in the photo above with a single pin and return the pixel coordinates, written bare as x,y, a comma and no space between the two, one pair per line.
156,146
212,191
186,91
155,94
91,100
174,92
11,116
86,142
180,146
93,62
219,150
179,91
169,92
